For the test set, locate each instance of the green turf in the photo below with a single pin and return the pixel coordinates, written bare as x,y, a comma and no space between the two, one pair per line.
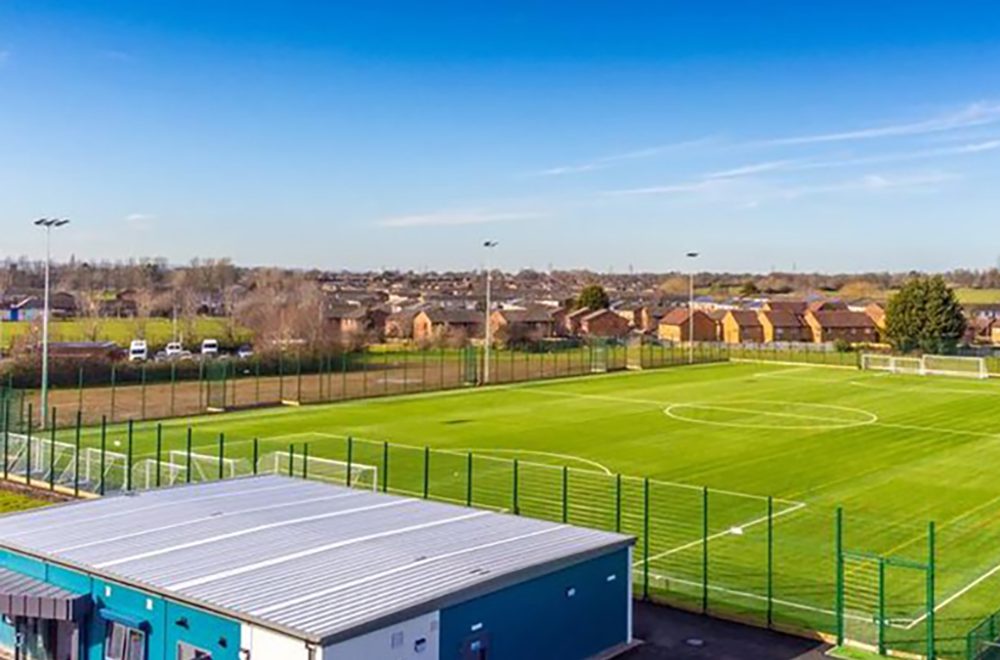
11,501
894,451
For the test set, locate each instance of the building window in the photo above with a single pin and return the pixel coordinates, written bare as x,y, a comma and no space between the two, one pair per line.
124,643
187,652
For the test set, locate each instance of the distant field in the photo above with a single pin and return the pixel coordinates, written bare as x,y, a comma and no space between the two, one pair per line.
978,296
121,331
894,451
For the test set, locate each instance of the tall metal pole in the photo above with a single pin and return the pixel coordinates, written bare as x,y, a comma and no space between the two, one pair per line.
488,334
691,255
48,224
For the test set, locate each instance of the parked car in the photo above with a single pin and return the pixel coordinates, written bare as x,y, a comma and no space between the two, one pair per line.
209,347
173,349
244,352
138,351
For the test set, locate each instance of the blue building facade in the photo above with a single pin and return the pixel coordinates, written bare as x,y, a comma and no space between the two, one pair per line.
429,583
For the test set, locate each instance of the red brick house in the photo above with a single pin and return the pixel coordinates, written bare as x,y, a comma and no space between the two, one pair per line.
431,324
739,326
676,326
603,323
854,327
780,325
522,324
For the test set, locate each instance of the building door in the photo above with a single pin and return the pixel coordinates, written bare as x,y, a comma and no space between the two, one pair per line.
35,639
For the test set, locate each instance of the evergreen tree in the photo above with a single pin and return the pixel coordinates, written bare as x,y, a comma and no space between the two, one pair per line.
925,314
593,297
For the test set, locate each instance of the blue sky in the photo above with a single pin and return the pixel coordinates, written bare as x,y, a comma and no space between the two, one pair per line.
821,136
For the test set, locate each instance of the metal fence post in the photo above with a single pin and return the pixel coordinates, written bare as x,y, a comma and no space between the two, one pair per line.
222,456
881,606
350,459
159,451
173,386
142,390
427,471
76,456
770,561
6,436
104,449
187,466
128,458
385,466
305,460
256,455
931,570
704,549
52,450
468,479
514,503
291,460
565,494
31,415
79,389
839,543
645,538
618,502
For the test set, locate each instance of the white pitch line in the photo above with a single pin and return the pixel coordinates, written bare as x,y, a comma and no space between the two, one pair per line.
721,534
958,594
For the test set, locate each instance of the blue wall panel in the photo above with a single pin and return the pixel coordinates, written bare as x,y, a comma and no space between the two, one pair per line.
539,620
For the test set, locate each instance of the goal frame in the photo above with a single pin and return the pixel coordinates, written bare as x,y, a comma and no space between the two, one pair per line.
923,365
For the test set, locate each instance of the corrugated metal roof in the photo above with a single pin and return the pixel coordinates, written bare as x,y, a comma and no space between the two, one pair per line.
318,561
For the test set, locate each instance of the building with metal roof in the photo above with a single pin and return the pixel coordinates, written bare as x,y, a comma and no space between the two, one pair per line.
280,568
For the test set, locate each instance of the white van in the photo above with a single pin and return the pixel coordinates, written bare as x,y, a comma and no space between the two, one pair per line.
138,351
210,347
174,349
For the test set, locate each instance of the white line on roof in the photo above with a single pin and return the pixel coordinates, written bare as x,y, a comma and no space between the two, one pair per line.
133,511
212,516
320,549
399,569
250,530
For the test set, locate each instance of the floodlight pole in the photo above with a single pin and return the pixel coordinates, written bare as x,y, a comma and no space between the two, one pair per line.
691,255
489,245
48,224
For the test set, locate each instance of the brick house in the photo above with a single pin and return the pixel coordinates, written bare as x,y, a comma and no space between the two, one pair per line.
356,321
431,324
522,324
648,317
739,326
876,313
854,327
995,333
789,306
677,323
603,323
399,325
780,325
573,321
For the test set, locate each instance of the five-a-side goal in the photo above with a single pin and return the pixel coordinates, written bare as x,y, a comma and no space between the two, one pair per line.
926,365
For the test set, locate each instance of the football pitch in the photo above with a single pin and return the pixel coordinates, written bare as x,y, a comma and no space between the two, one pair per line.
895,452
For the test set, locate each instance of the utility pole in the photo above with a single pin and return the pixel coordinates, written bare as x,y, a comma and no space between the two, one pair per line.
489,245
48,224
691,255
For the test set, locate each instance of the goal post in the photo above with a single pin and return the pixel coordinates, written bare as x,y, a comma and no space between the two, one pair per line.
322,469
207,467
959,366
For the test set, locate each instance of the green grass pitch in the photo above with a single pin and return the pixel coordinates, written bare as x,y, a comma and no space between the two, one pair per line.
893,451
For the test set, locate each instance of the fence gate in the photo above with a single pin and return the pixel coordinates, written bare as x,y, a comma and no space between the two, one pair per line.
885,602
598,356
12,410
216,372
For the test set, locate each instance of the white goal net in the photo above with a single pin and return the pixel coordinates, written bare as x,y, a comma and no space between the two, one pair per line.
207,467
322,469
927,365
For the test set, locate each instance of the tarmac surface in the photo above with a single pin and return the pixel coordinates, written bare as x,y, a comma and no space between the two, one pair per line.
679,635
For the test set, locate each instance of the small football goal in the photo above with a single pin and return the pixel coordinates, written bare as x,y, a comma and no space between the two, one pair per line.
356,475
927,365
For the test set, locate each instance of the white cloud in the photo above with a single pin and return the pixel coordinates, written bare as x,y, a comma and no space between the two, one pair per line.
975,114
691,187
875,183
457,218
754,168
608,161
141,221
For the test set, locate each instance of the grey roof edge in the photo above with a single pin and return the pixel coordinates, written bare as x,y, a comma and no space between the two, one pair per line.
478,590
462,595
